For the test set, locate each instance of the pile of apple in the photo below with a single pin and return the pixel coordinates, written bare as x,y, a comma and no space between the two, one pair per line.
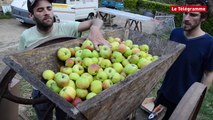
87,72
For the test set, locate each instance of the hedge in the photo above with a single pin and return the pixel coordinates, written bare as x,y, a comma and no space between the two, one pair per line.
163,7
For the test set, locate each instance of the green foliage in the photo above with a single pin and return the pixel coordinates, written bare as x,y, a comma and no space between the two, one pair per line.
206,111
130,4
163,7
7,15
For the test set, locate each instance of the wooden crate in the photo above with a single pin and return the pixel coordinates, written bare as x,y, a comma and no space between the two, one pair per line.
115,103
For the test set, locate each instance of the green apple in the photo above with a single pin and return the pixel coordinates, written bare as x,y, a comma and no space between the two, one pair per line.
100,59
123,74
155,57
135,46
116,78
71,84
149,57
94,60
117,39
78,53
96,86
101,75
111,39
143,62
128,52
48,74
70,62
130,69
109,71
142,54
128,43
144,48
87,62
134,59
82,83
78,60
66,70
63,53
125,62
93,69
105,63
68,93
86,53
78,69
90,95
114,45
95,54
61,79
76,48
55,88
117,57
105,52
88,76
81,93
87,44
118,67
107,83
49,82
74,76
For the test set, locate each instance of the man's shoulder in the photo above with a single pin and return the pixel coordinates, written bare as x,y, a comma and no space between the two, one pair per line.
67,23
28,31
177,30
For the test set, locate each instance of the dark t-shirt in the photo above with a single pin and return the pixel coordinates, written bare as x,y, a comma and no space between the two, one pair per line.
189,66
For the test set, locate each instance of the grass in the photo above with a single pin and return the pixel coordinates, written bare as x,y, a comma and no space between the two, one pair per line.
206,111
25,91
5,16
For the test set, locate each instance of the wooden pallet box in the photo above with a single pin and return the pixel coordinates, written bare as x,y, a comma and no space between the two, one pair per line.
114,103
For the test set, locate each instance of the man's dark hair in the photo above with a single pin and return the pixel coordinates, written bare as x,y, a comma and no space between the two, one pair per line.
201,2
32,3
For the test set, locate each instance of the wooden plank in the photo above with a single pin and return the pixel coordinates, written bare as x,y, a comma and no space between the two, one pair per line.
190,104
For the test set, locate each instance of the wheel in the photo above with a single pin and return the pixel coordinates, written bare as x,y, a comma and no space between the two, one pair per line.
91,16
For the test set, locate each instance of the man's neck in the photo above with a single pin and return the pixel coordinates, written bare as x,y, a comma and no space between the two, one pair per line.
194,33
44,30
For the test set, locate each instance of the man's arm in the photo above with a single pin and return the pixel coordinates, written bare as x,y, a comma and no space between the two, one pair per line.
95,34
208,79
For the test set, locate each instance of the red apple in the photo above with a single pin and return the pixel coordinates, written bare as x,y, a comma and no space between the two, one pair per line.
135,50
76,101
68,93
122,48
72,50
93,69
87,44
107,83
70,62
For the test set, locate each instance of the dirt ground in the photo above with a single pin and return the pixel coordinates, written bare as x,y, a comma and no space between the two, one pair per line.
10,30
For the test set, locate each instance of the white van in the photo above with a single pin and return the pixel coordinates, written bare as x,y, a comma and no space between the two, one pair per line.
64,10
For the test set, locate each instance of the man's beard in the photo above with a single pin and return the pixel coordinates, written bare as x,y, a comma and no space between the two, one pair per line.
189,27
42,25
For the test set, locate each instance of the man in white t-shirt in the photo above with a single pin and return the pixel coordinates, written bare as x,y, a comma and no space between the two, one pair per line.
41,12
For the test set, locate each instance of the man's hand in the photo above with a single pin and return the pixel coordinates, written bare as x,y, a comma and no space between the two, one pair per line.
97,38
